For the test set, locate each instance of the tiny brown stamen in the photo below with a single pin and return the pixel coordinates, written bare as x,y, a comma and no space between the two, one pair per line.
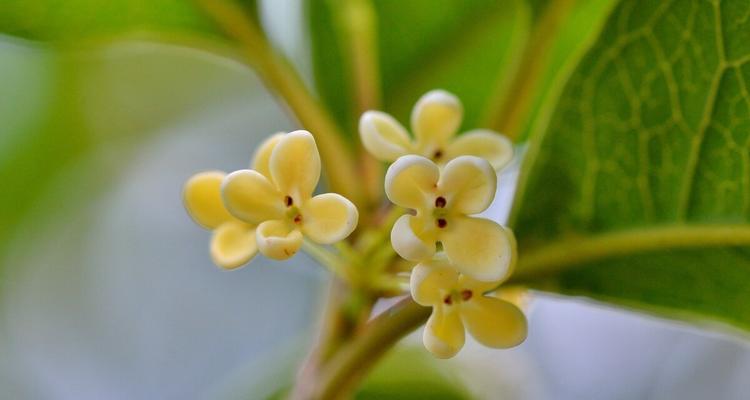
438,154
288,201
297,219
466,294
448,300
440,202
441,222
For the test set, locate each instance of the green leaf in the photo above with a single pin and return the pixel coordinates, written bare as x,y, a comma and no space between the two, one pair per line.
59,107
464,47
72,20
638,191
411,373
578,29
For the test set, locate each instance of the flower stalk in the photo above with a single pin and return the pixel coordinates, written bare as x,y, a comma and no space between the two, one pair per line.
282,79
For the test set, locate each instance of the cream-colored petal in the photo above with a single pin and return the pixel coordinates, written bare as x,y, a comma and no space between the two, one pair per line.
251,197
479,287
383,136
278,240
490,145
479,248
431,281
444,333
436,118
328,218
493,322
202,198
295,165
410,241
233,244
262,158
469,184
411,181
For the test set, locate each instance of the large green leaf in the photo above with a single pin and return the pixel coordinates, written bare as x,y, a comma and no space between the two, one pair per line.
464,47
638,192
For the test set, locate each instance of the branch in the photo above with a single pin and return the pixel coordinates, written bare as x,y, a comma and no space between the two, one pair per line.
354,360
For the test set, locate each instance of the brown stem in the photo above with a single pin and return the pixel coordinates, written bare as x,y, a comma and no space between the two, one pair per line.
353,360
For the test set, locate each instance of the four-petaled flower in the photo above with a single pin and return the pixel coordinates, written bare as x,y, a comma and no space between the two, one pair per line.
459,301
435,120
444,202
233,241
280,203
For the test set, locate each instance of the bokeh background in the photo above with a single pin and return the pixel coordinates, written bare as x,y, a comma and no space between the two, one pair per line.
107,290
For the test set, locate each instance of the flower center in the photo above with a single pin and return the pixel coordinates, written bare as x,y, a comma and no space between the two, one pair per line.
439,212
438,154
456,296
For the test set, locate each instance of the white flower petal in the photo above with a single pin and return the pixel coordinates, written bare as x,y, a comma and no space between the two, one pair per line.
411,181
493,322
479,248
383,136
431,281
410,241
436,118
278,239
262,158
233,244
295,165
251,197
328,218
202,198
492,146
469,184
444,333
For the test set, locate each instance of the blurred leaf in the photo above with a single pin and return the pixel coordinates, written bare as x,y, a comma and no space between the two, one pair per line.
71,20
411,373
638,192
464,47
59,106
32,147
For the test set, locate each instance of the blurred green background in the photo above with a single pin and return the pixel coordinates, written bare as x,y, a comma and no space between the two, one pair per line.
106,287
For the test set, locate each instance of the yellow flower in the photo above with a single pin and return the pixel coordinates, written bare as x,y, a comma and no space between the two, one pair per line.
444,201
233,241
459,301
435,120
281,204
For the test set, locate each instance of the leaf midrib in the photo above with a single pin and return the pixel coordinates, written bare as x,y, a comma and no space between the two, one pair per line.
552,258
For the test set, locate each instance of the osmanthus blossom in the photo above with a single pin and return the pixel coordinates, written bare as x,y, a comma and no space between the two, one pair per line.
233,241
281,204
435,120
444,202
459,303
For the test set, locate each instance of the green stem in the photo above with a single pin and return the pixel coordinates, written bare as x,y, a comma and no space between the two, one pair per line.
517,99
327,259
353,360
356,20
282,79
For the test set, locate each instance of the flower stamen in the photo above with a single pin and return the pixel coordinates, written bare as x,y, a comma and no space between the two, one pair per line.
440,202
441,223
288,201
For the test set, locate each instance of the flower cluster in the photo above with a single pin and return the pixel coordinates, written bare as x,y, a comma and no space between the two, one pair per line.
269,208
459,256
